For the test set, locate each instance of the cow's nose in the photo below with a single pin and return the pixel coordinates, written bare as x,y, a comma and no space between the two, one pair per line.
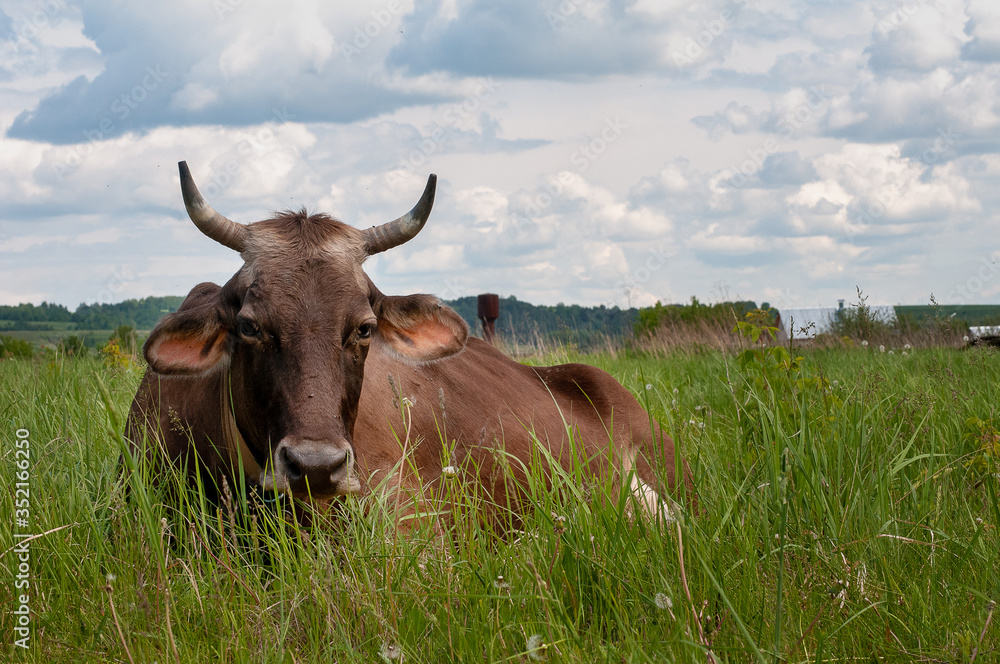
319,468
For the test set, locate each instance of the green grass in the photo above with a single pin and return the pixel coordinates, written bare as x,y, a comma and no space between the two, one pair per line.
851,518
51,338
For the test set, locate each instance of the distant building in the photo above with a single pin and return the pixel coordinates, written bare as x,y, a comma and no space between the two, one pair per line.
984,332
807,323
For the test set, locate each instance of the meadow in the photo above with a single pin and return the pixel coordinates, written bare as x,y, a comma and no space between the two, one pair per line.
848,512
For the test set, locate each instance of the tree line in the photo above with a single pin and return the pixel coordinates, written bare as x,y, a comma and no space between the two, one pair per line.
141,314
520,322
560,324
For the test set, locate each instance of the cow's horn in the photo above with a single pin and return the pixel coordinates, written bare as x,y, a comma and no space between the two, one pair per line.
221,229
394,233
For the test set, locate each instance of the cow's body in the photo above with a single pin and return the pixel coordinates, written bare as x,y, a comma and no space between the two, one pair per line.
462,412
328,401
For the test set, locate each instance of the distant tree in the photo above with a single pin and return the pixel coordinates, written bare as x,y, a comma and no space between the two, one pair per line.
11,347
723,314
52,313
585,327
126,338
142,314
73,346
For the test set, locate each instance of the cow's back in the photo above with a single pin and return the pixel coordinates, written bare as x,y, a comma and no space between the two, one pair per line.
471,409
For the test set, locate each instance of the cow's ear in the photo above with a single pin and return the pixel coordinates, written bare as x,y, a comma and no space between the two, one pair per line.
420,327
188,341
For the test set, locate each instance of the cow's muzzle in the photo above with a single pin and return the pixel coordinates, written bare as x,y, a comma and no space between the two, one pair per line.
312,468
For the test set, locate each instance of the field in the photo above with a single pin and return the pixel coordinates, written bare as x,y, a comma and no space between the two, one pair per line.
51,338
849,513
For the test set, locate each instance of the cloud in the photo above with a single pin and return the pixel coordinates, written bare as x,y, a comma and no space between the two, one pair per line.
22,243
837,217
881,193
188,65
6,26
916,37
984,29
736,118
552,39
786,168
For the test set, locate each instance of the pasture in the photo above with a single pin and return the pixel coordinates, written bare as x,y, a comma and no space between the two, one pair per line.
849,513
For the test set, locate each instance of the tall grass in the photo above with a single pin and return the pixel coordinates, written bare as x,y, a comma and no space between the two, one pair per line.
849,512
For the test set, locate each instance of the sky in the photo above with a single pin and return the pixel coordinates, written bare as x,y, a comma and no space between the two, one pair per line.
588,151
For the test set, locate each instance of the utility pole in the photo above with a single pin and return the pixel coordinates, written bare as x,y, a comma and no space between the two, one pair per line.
489,312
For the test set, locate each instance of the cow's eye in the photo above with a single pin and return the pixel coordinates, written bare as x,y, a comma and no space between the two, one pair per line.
249,329
365,331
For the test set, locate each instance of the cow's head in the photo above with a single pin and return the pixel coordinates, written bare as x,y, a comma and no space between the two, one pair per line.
289,334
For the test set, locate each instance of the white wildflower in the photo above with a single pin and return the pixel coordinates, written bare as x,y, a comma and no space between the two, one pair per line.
907,346
649,386
965,338
390,651
891,352
881,349
842,595
500,584
676,391
110,577
701,425
537,647
862,577
864,343
663,602
449,471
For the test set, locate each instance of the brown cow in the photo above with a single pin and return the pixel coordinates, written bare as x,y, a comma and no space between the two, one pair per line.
300,372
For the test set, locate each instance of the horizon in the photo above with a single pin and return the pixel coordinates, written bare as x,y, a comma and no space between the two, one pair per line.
846,303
